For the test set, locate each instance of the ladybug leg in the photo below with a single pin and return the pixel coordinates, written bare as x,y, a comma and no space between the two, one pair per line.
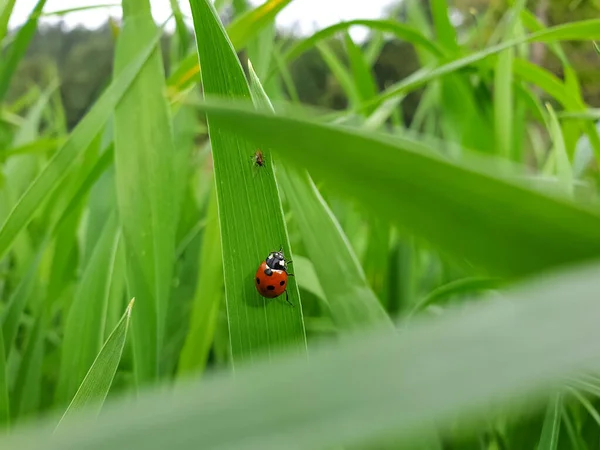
288,300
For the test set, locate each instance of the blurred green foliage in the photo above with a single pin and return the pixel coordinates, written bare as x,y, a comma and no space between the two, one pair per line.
83,58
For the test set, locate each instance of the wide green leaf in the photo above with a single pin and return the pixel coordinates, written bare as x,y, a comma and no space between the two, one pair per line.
250,214
431,373
147,194
473,210
146,182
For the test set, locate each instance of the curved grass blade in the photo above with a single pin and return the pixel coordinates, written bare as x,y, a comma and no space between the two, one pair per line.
476,214
83,134
95,386
461,286
250,213
84,327
147,189
399,30
438,372
349,296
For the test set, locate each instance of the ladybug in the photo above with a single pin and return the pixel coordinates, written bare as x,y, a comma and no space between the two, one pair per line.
272,276
259,158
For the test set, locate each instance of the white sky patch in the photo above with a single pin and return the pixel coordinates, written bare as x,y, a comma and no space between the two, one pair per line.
304,16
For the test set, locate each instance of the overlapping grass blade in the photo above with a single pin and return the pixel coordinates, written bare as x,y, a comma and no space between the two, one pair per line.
18,300
147,193
250,213
362,76
476,211
84,327
559,152
240,32
551,428
438,372
503,91
207,298
576,31
80,138
401,31
352,302
95,386
340,72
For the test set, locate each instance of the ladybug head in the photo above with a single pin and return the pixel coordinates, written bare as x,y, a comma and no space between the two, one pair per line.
276,260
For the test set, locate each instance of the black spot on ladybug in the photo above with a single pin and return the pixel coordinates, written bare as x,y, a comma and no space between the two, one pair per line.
257,280
271,288
281,283
268,272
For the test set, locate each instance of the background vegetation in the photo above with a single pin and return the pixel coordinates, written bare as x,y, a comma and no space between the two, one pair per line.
435,186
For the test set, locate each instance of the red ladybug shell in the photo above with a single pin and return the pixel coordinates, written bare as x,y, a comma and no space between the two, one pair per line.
272,285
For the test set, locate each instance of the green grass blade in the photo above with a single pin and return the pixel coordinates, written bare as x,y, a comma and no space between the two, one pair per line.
84,327
561,158
308,280
80,138
250,213
476,211
544,79
504,100
95,386
438,372
26,394
18,300
207,298
361,71
147,193
17,50
340,72
445,33
352,302
551,427
374,47
5,13
457,287
246,26
4,399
